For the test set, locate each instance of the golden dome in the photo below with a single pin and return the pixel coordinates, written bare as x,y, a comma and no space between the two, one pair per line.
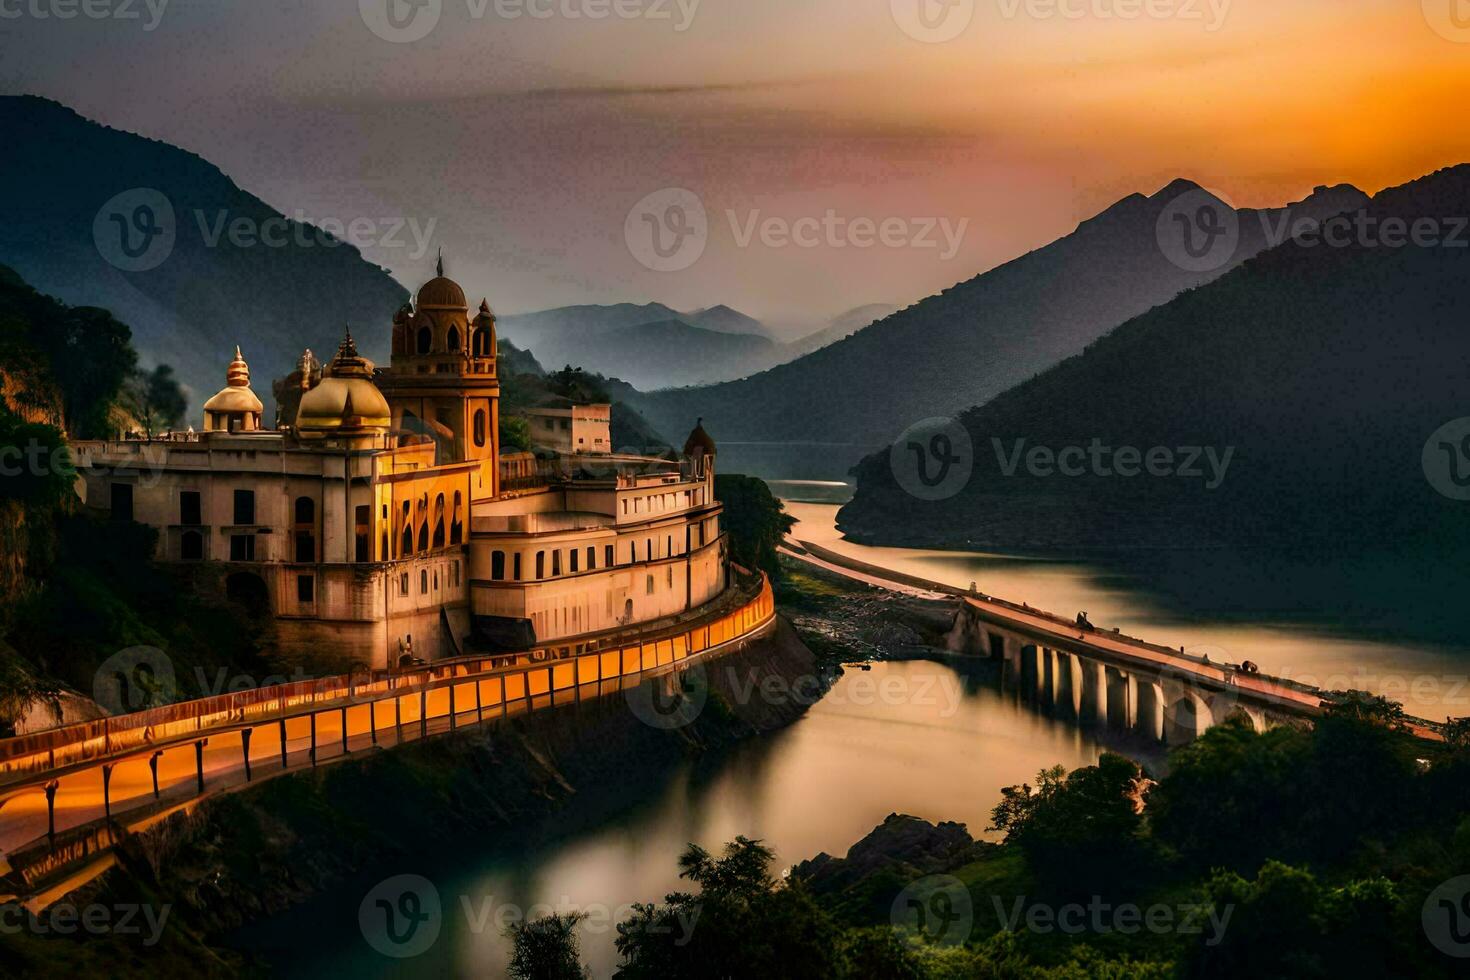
345,398
236,396
441,293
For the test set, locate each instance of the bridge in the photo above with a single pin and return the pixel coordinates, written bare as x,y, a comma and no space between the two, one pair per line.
69,794
1097,676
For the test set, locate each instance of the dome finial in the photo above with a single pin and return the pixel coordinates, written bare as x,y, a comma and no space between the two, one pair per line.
237,375
441,262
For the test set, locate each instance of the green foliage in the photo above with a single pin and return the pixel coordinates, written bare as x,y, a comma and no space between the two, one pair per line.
1285,923
742,923
515,434
755,520
1079,831
36,467
1363,706
1457,733
546,948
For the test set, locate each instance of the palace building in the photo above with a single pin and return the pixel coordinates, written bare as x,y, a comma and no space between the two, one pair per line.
379,522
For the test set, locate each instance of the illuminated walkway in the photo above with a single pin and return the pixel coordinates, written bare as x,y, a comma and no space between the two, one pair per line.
58,788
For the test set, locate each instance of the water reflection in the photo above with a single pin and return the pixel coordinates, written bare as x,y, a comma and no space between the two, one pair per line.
916,737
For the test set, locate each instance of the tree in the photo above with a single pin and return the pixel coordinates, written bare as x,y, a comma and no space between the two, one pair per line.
546,948
755,520
515,434
1457,733
155,399
743,923
1362,706
1081,831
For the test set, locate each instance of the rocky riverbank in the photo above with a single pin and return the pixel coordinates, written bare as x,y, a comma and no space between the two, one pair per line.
249,855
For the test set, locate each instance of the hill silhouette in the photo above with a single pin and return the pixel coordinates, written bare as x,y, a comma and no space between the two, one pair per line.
213,289
978,338
1324,369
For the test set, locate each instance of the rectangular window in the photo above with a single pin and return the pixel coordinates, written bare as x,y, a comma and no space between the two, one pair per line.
516,566
540,565
242,547
424,582
403,584
650,585
122,501
576,560
454,574
591,558
190,512
497,566
244,507
305,588
556,563
609,556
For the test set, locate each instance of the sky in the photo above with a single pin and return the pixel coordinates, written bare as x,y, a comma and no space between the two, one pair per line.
790,158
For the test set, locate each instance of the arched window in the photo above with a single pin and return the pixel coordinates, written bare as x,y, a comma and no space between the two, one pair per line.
454,347
424,536
305,510
425,340
481,342
480,427
439,521
407,542
456,522
191,547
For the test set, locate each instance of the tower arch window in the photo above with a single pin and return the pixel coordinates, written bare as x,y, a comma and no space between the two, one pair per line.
454,347
439,521
480,427
425,340
456,525
424,536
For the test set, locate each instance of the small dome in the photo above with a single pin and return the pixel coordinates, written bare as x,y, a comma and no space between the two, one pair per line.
699,441
236,396
345,398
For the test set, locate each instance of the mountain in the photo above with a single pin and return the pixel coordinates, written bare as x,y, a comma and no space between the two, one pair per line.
722,319
648,353
974,340
223,269
841,327
1324,374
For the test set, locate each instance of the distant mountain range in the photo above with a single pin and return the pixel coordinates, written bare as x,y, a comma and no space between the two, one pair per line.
653,346
79,197
975,340
1324,373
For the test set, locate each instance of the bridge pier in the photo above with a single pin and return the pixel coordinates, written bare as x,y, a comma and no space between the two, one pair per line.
1096,694
1150,710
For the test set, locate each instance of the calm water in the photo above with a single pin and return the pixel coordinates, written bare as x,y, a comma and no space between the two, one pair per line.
909,737
1431,679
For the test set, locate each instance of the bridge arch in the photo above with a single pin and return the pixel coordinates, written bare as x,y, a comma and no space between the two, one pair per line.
1188,717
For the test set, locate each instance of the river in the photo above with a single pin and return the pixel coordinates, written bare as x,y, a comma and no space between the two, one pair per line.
910,737
916,737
